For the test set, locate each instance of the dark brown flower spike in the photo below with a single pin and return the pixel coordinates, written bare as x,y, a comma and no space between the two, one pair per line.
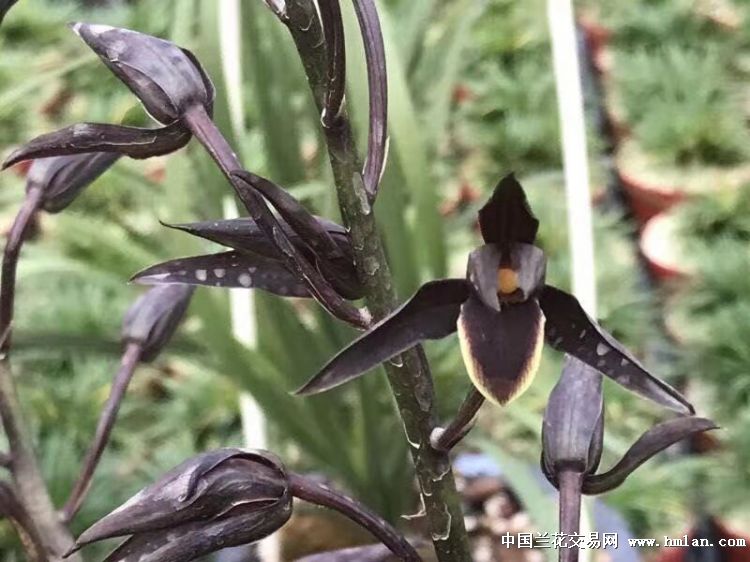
430,314
62,178
377,81
570,329
227,497
86,138
227,270
147,327
333,27
167,79
652,442
507,217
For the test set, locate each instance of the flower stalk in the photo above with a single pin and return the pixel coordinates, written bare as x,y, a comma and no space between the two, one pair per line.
319,494
409,376
129,362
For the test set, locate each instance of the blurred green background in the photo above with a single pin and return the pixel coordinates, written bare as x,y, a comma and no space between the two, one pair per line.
472,97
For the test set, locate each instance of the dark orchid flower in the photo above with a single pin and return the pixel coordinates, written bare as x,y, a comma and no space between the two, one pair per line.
167,79
62,178
499,311
572,434
148,326
224,498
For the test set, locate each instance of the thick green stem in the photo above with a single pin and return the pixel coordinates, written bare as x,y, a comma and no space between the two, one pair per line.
409,376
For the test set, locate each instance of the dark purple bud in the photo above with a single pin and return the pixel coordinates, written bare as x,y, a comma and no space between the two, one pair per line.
228,270
219,499
153,318
507,217
430,314
86,138
649,444
377,81
167,79
573,426
62,178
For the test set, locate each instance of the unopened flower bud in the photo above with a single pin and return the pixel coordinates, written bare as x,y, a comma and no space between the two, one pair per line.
167,79
154,317
573,426
223,498
62,178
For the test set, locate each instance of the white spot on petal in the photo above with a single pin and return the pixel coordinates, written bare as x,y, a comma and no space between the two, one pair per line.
201,274
245,280
602,349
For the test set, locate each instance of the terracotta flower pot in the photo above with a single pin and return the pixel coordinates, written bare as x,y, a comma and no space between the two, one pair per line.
654,186
660,246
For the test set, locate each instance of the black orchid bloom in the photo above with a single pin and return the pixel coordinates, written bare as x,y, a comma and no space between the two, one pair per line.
503,312
167,79
223,498
572,437
259,262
